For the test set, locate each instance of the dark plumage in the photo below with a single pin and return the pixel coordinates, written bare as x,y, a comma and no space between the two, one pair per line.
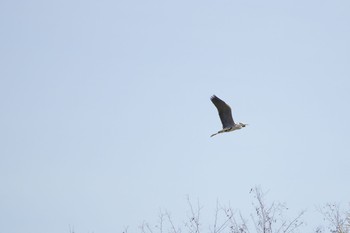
224,112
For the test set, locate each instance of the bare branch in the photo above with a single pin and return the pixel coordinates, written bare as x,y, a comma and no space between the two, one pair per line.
338,220
173,228
194,224
126,229
145,228
216,215
294,224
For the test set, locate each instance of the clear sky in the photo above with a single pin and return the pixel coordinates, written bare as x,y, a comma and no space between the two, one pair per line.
105,111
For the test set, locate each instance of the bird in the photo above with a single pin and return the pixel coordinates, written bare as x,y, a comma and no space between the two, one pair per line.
225,114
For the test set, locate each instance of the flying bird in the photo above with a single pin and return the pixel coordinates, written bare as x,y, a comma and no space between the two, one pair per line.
225,114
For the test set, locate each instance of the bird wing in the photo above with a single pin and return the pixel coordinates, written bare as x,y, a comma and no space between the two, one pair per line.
224,112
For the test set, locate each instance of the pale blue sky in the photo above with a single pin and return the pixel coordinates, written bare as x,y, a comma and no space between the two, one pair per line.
105,114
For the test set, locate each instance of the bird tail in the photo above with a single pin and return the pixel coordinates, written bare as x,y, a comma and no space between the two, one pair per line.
213,134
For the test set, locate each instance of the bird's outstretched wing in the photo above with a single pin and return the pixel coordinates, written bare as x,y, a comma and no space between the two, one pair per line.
224,112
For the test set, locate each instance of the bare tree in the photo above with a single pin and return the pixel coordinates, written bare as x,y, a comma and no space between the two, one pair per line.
270,218
265,219
337,221
193,221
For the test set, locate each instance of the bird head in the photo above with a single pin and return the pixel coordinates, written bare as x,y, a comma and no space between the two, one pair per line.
243,125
